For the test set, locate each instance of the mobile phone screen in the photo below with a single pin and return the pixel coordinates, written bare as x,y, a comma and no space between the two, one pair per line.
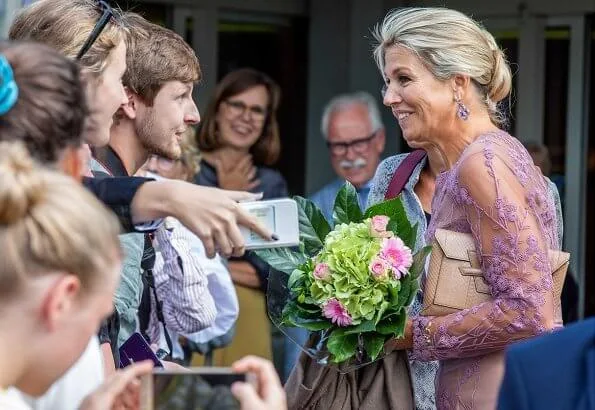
266,216
136,349
190,391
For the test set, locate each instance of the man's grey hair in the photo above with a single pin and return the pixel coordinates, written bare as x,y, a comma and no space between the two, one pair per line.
343,101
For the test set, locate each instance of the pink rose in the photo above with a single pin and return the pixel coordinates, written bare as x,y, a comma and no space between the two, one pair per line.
378,226
322,271
379,268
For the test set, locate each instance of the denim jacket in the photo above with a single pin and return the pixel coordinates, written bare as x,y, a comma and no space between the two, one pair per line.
129,291
422,373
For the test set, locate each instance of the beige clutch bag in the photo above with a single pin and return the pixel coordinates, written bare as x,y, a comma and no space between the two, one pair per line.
455,281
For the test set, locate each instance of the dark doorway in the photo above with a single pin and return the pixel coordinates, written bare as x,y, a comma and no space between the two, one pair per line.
278,48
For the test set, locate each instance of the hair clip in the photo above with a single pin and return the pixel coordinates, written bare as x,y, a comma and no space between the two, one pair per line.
9,91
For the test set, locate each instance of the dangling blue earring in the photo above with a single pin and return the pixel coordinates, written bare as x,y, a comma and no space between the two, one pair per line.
462,110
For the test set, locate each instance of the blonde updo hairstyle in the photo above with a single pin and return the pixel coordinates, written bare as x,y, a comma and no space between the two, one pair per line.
449,43
50,223
65,25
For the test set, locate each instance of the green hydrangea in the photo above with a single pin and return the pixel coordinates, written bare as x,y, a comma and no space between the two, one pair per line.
348,251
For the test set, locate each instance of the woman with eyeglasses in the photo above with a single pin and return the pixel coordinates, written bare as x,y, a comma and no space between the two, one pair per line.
239,141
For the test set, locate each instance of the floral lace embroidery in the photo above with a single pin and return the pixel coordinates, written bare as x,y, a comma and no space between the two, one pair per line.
496,193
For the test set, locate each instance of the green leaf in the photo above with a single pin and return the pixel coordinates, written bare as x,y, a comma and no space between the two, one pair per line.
393,208
367,326
341,346
294,314
296,276
373,343
313,226
347,208
419,261
282,259
314,325
393,324
408,290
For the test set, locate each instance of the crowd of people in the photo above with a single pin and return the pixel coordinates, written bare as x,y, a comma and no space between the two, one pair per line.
119,215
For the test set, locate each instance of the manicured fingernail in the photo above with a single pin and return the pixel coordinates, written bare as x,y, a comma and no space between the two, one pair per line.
274,237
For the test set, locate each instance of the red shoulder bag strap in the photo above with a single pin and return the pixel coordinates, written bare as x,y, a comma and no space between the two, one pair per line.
403,173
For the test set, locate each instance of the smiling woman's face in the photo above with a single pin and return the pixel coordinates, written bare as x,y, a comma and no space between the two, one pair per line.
241,118
423,105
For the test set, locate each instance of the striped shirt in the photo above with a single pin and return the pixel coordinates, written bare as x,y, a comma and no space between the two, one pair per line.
181,284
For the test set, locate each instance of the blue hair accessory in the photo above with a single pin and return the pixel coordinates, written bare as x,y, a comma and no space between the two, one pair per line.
9,91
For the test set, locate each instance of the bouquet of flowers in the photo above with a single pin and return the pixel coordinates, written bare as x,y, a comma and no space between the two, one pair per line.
350,281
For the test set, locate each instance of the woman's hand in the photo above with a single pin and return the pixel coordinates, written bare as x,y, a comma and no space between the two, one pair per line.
121,391
211,214
244,274
236,176
270,394
403,343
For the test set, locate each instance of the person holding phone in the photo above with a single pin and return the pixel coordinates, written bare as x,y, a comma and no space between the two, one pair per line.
60,267
269,394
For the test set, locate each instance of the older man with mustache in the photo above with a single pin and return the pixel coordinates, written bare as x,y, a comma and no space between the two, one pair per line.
354,134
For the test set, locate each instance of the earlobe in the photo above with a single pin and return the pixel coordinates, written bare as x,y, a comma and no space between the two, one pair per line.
129,109
460,84
59,301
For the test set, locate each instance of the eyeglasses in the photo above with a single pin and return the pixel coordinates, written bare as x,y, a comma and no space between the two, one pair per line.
106,16
358,145
238,108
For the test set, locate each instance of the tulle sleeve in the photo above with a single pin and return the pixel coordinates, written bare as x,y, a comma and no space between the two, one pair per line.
507,206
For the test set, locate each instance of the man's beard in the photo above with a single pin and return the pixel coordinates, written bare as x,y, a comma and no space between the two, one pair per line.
356,163
154,143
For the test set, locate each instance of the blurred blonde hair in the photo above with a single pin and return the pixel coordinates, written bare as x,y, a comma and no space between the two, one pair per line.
49,223
65,25
449,43
190,156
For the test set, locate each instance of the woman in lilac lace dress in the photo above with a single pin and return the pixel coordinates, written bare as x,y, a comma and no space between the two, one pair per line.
444,78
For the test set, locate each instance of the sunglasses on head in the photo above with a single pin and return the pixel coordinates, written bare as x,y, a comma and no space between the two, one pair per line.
106,16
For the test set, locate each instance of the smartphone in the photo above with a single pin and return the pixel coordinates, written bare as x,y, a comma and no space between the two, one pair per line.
136,349
191,388
280,216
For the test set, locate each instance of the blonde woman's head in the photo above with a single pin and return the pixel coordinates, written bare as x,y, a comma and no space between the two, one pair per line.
449,44
60,266
66,25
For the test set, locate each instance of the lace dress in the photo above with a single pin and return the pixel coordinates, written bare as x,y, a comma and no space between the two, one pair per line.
495,193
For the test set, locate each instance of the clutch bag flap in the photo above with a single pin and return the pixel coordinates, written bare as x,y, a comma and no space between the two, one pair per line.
455,281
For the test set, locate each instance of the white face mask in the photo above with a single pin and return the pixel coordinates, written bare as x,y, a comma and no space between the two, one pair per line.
356,163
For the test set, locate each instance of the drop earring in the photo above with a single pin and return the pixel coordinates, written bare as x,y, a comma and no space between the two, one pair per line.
462,110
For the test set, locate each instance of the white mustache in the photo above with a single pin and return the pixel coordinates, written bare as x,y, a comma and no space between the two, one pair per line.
356,163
